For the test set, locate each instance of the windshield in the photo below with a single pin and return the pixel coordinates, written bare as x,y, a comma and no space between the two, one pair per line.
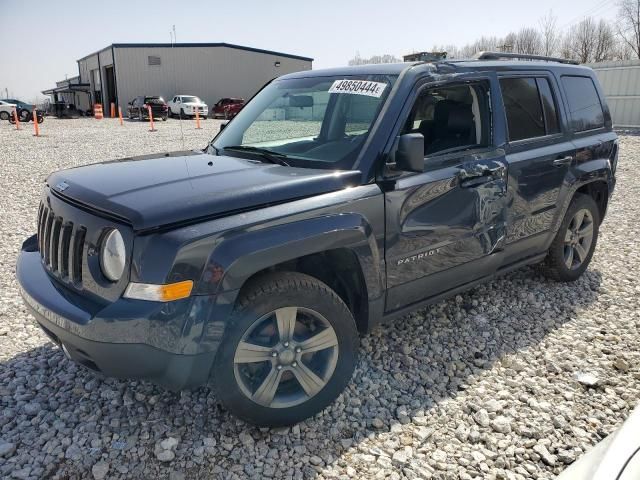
319,122
154,100
191,100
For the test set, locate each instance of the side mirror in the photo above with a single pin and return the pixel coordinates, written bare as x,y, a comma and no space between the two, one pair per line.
410,153
222,125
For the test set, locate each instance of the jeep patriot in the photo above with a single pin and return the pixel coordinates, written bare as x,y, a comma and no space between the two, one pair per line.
334,200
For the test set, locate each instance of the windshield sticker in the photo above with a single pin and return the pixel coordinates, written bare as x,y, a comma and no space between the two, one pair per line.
358,87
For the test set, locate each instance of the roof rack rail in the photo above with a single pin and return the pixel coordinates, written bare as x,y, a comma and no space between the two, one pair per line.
523,56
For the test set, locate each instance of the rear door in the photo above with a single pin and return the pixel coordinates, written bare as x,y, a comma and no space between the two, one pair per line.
539,153
445,227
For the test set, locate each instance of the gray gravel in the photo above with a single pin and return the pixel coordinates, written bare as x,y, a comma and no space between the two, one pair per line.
512,380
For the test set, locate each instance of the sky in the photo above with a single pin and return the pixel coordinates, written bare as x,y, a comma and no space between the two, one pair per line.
50,35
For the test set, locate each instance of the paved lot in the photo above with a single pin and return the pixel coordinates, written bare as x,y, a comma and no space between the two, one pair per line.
481,386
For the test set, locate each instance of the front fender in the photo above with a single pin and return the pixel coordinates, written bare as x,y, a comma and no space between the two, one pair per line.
240,255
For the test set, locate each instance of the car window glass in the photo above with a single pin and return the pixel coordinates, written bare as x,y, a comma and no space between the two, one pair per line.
584,104
523,108
450,117
548,106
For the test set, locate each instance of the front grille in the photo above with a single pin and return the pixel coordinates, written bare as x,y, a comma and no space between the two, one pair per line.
61,245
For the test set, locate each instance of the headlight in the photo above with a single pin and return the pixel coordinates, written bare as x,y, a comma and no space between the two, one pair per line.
113,255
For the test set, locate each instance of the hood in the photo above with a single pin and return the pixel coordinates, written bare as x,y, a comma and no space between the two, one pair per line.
152,190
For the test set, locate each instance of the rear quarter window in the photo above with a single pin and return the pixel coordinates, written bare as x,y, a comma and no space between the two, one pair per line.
585,107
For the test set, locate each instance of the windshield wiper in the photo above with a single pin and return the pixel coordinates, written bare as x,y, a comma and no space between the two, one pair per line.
269,155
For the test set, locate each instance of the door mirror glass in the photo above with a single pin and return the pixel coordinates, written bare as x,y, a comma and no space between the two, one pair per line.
410,153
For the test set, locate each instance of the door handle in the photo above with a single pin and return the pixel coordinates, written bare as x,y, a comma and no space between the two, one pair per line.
559,162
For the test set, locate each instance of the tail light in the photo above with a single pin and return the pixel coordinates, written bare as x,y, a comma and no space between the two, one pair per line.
165,107
146,105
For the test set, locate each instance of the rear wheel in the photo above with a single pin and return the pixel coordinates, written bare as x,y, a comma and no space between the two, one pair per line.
289,350
4,115
572,249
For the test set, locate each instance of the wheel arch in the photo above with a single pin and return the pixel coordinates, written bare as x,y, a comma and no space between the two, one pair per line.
340,250
599,191
339,269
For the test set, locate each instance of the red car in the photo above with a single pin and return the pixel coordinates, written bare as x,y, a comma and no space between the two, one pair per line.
227,108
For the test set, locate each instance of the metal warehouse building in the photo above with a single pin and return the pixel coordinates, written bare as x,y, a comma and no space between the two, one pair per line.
120,72
621,84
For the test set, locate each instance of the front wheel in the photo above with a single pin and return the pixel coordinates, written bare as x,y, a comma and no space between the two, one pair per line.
572,249
4,115
290,349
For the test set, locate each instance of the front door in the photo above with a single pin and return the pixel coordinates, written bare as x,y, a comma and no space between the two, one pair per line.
446,227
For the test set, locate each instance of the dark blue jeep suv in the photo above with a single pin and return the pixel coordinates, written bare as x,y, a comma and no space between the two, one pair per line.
334,200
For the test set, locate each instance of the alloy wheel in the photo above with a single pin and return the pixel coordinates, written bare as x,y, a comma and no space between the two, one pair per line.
578,239
286,357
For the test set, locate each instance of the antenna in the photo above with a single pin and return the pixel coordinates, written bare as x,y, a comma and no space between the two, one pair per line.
175,77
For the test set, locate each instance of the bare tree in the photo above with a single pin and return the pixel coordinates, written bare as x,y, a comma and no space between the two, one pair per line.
628,25
582,37
527,41
605,42
566,47
549,35
386,58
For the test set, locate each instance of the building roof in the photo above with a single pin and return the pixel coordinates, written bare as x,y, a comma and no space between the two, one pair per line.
200,45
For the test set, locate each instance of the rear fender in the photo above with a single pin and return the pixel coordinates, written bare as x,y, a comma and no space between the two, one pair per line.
597,170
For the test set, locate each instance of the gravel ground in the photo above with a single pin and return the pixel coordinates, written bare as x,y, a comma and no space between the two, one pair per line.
489,384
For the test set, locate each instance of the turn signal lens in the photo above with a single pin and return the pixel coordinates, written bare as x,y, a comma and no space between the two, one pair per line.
159,293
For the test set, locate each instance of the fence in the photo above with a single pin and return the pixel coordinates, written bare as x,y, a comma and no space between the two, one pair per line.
621,84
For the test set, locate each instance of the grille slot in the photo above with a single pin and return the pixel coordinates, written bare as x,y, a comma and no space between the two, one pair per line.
61,245
76,254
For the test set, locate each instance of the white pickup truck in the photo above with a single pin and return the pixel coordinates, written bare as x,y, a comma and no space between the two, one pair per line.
187,105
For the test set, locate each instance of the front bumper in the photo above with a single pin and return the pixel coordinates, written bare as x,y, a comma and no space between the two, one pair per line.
124,339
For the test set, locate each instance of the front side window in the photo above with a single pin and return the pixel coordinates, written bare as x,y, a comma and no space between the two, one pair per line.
317,122
451,118
584,103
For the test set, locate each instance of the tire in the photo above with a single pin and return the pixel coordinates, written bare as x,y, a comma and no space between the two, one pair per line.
25,115
140,115
4,116
40,118
239,385
569,247
182,115
164,118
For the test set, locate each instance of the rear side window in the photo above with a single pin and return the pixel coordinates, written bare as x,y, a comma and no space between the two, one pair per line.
584,104
529,107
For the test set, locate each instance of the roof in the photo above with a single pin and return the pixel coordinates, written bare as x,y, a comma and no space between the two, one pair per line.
442,67
198,45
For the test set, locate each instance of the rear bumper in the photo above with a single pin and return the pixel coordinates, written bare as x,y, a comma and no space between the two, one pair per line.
116,340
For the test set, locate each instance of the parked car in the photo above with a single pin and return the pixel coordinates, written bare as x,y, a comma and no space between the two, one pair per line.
256,263
138,108
187,105
24,110
227,108
6,110
19,103
617,457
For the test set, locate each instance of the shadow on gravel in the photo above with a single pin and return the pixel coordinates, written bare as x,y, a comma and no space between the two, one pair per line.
63,419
